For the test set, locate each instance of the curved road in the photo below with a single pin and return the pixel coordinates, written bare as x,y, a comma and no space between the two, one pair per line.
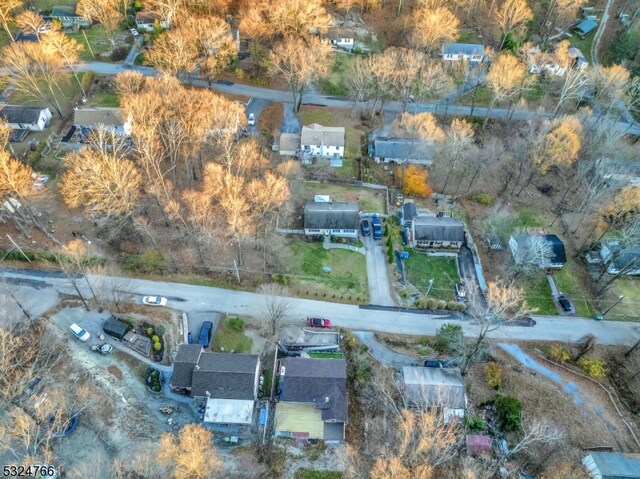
40,291
391,107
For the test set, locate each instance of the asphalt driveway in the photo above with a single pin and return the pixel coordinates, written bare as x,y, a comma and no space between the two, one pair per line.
377,275
382,353
196,318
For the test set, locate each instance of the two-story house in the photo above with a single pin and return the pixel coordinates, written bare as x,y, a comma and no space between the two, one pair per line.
322,142
331,219
19,117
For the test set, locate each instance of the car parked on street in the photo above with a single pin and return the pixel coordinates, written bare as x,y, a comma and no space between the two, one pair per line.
80,333
205,334
319,322
365,228
565,304
252,119
154,301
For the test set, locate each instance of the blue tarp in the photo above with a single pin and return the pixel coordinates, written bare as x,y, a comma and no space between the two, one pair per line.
586,25
263,417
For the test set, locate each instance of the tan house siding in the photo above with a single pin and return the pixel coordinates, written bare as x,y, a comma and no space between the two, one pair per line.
295,417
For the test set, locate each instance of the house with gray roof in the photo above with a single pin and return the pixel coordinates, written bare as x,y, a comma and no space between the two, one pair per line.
403,150
436,232
183,365
471,52
523,248
331,219
66,15
312,399
612,465
409,212
112,119
441,388
20,117
625,261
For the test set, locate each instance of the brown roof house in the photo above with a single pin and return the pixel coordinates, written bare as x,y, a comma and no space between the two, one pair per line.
113,119
147,21
312,399
226,383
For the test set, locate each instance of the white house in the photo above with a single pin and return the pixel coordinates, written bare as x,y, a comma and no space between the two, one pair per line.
113,119
440,388
471,52
626,262
146,21
436,232
521,250
34,118
342,37
323,142
334,218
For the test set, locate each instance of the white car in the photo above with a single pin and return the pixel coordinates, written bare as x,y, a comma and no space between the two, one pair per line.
40,181
154,301
252,119
134,32
80,333
45,27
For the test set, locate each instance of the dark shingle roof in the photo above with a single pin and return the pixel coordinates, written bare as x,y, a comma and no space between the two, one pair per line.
187,357
21,114
319,381
409,211
433,228
403,148
557,247
336,215
225,376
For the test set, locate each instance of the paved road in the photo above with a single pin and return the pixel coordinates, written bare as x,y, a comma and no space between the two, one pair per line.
199,298
391,107
377,276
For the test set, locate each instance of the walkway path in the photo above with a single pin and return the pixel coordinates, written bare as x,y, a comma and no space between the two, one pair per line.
598,36
382,353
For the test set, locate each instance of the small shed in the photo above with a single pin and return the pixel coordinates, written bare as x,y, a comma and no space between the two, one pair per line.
478,444
585,26
116,328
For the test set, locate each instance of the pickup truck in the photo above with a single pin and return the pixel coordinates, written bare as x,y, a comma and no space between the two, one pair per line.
377,227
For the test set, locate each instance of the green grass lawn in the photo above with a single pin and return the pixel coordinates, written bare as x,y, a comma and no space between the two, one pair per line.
68,92
583,44
537,294
627,309
420,268
483,97
229,336
319,355
347,279
333,83
47,5
368,198
322,117
104,99
304,473
98,40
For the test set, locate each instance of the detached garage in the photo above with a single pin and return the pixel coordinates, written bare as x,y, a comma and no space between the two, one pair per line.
116,328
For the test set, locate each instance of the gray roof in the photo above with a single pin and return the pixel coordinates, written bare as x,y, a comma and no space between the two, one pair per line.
319,381
316,134
187,357
21,114
225,375
463,48
336,215
99,116
404,148
617,465
433,228
628,258
63,11
409,211
434,387
558,254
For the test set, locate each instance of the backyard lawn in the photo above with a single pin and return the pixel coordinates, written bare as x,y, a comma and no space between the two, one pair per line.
229,336
98,41
346,281
105,99
369,199
627,309
421,268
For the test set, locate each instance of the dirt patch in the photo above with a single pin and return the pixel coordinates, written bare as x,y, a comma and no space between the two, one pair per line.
270,120
115,372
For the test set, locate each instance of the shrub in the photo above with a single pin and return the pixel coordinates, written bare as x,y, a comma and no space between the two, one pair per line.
239,73
157,346
452,306
448,337
386,232
155,339
389,242
493,373
149,331
473,423
160,330
120,53
432,303
237,324
594,367
509,411
442,304
558,353
424,341
87,79
484,199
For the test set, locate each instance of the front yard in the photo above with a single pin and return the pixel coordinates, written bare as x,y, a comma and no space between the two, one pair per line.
229,336
368,199
421,268
346,282
627,309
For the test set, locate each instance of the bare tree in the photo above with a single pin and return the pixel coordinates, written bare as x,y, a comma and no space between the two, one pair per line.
433,26
30,23
276,305
190,455
168,9
7,11
537,431
358,82
299,62
511,15
68,48
460,136
533,255
106,12
173,53
507,76
286,18
573,87
407,64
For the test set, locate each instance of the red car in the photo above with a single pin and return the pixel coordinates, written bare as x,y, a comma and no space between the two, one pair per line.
319,322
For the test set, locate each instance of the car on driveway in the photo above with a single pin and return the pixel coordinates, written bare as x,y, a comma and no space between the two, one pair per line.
154,301
205,333
252,119
565,304
319,322
461,291
134,32
80,333
365,228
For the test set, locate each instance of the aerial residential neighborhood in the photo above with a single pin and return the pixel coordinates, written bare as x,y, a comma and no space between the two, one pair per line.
320,240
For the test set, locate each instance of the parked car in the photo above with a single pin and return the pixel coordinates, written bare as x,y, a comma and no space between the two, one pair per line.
399,199
39,181
319,322
80,333
461,291
377,227
565,304
365,228
134,32
45,27
154,301
252,119
205,334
